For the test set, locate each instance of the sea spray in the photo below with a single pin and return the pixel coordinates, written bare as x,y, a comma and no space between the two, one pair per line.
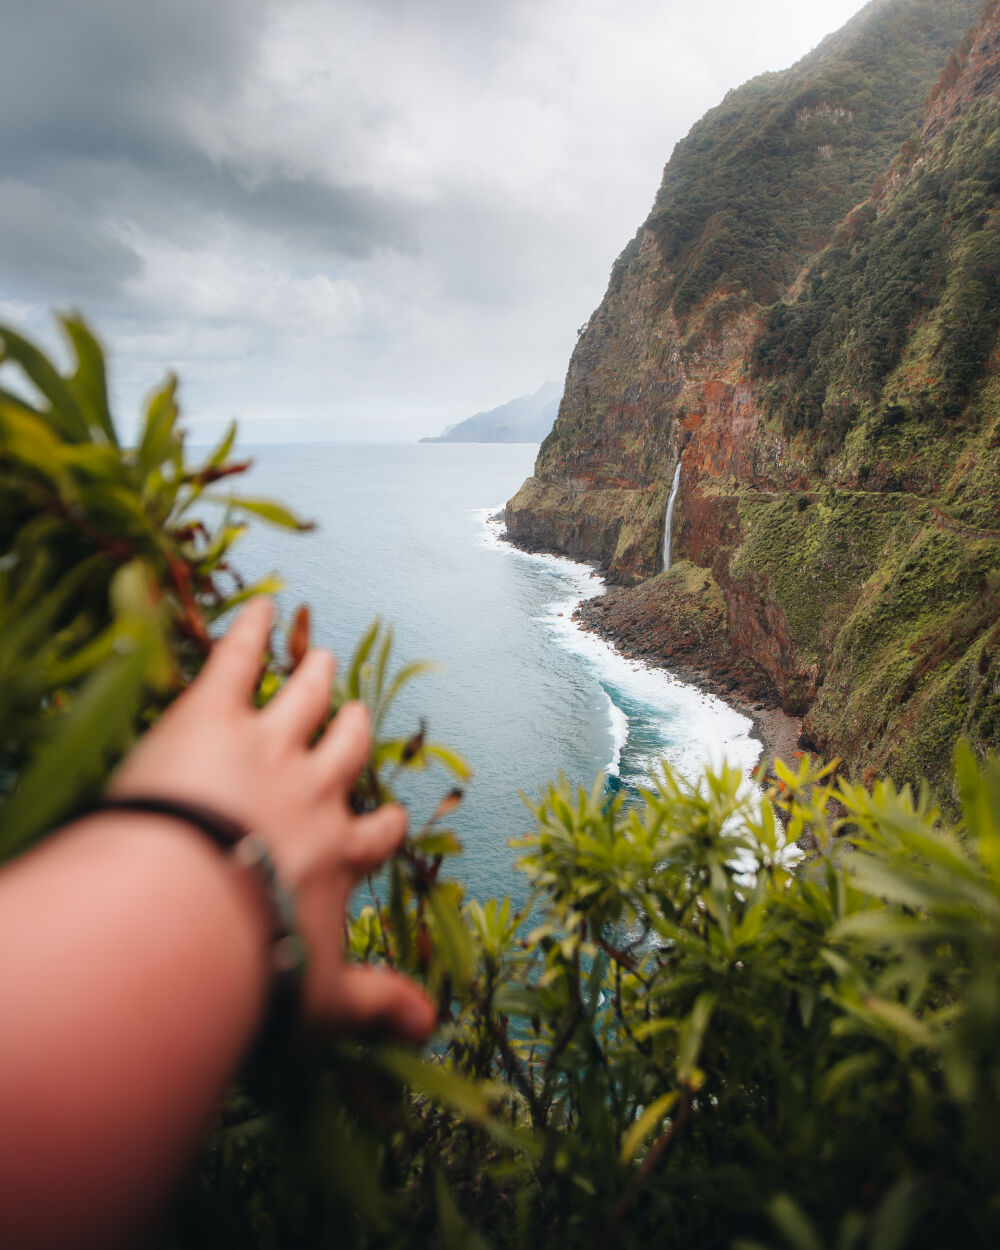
675,487
652,714
578,581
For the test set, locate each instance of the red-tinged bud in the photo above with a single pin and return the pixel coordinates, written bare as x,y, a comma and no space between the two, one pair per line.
298,637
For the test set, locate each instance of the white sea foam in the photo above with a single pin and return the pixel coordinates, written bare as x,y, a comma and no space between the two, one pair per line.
684,725
619,732
691,729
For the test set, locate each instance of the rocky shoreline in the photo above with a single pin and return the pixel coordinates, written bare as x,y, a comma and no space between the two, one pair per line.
677,622
742,685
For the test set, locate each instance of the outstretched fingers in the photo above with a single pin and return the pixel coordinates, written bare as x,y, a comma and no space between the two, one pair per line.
343,750
234,665
300,705
373,838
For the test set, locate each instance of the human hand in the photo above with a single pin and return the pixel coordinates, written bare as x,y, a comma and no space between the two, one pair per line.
257,767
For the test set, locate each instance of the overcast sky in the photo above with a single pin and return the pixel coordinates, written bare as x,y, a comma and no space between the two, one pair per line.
355,218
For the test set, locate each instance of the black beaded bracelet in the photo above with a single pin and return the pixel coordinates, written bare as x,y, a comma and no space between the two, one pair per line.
288,951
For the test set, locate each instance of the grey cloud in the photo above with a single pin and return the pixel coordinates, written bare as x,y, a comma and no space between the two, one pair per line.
45,247
349,220
74,71
479,22
297,209
377,206
92,109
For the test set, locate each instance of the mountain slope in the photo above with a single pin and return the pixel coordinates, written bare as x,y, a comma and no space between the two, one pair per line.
527,419
821,362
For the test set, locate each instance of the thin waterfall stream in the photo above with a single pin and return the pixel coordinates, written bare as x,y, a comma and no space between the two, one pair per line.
670,516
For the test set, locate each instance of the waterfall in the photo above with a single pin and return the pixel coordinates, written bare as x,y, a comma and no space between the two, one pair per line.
670,516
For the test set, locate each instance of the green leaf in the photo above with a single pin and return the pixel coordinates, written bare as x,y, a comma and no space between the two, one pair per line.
595,986
646,1029
267,509
899,1020
89,384
438,842
75,755
382,663
979,789
95,459
794,1224
896,1217
649,1120
518,1000
361,653
27,438
469,1099
63,414
158,438
20,403
450,759
209,558
881,926
453,940
224,446
455,1231
692,1034
846,1072
400,679
397,912
272,585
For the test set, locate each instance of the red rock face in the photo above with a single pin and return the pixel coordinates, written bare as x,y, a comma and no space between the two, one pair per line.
647,390
724,436
758,628
709,528
620,444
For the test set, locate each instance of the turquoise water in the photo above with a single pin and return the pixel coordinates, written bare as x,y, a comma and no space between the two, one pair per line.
523,694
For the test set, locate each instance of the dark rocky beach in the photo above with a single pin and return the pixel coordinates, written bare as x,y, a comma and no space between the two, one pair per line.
676,633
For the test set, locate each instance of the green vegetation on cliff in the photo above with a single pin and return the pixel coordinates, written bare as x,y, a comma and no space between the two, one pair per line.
885,366
837,538
892,625
900,315
808,323
686,1043
917,664
763,179
746,199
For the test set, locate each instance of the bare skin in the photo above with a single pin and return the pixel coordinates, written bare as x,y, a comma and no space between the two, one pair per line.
134,968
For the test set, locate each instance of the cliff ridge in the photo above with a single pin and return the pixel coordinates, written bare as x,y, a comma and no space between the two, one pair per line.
807,325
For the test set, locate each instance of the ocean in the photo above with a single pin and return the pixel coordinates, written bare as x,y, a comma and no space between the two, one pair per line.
404,532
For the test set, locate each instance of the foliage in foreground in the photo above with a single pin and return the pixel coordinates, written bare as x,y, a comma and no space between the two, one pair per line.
687,1039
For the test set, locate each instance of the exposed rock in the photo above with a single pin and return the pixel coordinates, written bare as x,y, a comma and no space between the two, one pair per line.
678,620
817,557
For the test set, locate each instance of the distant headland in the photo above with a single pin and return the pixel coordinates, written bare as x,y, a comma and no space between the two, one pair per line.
526,419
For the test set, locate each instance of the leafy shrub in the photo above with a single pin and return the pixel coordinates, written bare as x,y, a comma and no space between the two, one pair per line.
931,252
687,1039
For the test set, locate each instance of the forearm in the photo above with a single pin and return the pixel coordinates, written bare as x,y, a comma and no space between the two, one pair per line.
134,957
133,973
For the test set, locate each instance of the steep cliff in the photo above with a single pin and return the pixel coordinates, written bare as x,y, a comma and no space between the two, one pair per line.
821,361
